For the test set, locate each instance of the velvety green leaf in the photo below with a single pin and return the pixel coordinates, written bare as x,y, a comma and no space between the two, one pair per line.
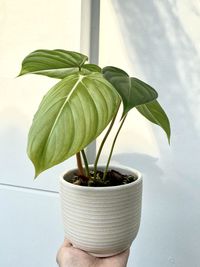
154,113
71,115
133,91
53,63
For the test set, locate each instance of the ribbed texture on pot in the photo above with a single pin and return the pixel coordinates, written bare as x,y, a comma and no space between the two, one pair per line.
102,221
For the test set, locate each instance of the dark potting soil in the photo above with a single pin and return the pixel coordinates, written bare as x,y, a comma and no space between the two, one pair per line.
113,178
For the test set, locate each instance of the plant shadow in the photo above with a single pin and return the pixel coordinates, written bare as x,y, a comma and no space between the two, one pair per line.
161,44
145,163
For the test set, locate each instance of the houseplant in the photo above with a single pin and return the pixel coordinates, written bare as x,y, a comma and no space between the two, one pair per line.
101,204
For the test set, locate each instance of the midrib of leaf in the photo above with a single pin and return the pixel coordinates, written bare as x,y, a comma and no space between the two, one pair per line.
162,122
58,57
60,111
97,118
151,115
52,70
129,91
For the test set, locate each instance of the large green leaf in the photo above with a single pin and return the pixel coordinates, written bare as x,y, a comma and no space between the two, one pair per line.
133,91
72,114
53,63
154,113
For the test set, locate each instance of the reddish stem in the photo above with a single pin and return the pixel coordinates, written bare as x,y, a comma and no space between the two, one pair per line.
79,164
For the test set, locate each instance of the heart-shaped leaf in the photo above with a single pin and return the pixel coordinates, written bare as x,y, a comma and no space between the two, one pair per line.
154,113
133,91
53,63
72,114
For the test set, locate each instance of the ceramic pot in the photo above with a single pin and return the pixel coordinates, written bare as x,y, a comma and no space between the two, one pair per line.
102,220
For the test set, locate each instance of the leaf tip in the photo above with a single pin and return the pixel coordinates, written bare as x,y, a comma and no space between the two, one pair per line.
169,138
19,75
168,131
22,72
37,172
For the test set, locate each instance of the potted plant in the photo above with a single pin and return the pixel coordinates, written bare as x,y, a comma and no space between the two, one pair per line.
101,205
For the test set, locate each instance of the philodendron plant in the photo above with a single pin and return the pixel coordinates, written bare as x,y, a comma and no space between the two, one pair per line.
76,110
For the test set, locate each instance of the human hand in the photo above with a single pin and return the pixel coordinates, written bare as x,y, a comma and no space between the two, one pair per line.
68,256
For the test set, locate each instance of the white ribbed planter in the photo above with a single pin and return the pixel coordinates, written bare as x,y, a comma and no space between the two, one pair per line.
102,220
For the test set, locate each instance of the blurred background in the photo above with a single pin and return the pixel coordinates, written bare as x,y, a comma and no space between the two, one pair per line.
156,41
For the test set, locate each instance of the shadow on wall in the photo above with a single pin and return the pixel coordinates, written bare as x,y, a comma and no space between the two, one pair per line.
146,164
156,38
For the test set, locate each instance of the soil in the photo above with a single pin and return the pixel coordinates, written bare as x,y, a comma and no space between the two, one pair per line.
113,178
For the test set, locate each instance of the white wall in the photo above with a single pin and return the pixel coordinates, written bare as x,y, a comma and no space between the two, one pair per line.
157,41
30,224
26,26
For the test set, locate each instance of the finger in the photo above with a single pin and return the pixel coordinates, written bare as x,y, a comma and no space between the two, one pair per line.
66,243
122,257
125,253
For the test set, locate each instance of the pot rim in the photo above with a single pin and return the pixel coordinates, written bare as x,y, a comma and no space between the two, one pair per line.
104,188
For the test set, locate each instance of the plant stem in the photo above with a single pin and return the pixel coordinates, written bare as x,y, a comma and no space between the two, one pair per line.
102,143
112,147
87,170
79,164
